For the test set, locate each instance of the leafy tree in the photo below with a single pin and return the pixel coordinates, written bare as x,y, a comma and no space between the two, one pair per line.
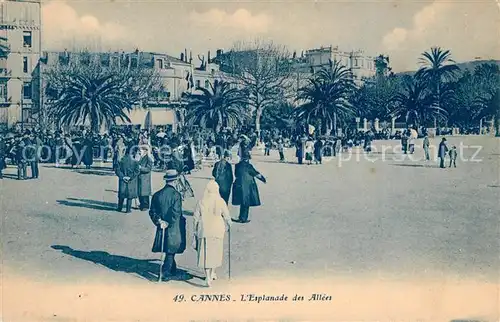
278,117
375,98
415,102
326,97
80,93
382,66
221,106
262,69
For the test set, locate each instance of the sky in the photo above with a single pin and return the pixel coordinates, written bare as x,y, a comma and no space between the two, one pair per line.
401,29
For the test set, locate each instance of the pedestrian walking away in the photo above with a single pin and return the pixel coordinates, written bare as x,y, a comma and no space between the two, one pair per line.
166,215
223,174
210,219
245,190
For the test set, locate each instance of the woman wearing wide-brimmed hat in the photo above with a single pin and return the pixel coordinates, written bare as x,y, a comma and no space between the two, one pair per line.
210,219
245,190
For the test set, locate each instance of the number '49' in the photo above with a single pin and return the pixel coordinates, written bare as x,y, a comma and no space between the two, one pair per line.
178,298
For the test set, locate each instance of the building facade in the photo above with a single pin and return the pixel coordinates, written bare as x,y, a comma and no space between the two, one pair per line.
20,48
361,65
177,77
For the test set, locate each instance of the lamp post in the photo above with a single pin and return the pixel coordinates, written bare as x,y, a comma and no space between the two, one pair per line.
358,119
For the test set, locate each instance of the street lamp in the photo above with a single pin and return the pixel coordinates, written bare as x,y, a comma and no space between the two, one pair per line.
358,119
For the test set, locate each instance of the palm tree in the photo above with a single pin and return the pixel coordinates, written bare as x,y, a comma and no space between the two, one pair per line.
437,67
415,102
326,97
97,99
217,107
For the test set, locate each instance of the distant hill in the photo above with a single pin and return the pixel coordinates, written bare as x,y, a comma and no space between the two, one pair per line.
470,65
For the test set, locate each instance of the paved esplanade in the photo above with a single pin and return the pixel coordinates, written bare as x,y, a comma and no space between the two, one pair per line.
395,219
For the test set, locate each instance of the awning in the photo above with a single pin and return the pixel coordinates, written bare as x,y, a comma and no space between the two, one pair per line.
157,116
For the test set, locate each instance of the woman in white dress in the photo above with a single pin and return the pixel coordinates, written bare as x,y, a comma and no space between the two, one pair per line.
210,217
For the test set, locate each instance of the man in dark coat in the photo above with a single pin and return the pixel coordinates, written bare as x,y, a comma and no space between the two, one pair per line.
245,190
166,214
88,153
223,174
443,149
318,150
144,181
127,172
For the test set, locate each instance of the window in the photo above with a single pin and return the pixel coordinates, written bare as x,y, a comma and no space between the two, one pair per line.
198,83
3,92
159,63
207,83
27,92
25,64
27,39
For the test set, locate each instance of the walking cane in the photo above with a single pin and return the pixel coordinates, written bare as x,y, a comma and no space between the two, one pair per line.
229,250
162,255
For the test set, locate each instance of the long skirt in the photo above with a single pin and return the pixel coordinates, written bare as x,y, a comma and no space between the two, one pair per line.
213,249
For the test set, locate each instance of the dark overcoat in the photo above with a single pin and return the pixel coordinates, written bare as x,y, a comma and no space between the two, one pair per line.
443,149
88,153
223,174
166,205
318,150
146,164
127,167
245,190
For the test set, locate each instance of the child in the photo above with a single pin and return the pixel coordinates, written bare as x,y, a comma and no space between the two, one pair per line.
453,156
281,149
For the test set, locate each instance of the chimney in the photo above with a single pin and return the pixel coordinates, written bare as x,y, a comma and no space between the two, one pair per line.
219,52
185,55
190,56
208,59
182,56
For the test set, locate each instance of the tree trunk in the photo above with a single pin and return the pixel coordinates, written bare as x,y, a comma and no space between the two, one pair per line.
335,124
258,115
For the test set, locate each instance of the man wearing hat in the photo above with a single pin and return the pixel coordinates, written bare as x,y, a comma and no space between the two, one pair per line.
166,215
245,190
443,149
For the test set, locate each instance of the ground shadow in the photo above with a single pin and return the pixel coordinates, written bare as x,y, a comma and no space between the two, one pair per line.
81,167
88,204
188,213
95,172
277,162
10,176
95,202
493,186
145,268
201,178
111,190
410,165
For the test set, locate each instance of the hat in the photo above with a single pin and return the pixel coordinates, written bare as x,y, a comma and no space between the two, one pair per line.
227,154
171,175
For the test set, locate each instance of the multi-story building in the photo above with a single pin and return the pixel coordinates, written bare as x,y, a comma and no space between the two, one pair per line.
20,47
177,77
362,66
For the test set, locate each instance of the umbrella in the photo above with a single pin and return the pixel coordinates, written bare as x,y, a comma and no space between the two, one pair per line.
161,135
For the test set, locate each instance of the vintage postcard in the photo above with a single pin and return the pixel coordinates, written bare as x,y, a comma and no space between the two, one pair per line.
169,160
